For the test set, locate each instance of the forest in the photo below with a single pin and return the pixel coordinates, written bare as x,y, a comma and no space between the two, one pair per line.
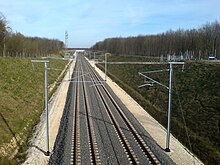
195,43
15,44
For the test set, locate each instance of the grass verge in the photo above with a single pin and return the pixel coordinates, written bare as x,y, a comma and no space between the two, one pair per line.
21,103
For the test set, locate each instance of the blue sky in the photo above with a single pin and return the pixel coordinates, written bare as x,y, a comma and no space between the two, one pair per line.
89,21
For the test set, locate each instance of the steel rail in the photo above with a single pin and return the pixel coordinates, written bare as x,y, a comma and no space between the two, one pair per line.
95,157
75,154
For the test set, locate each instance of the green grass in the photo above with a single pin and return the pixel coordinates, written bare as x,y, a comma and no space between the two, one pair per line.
22,100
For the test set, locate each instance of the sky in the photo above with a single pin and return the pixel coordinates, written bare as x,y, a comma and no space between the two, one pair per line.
90,21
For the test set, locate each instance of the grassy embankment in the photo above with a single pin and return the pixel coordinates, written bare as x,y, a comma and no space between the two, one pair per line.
21,103
197,90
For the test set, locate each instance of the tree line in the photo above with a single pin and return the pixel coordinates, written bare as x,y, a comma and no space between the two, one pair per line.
17,45
196,43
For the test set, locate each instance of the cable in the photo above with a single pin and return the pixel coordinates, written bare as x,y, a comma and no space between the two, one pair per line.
184,120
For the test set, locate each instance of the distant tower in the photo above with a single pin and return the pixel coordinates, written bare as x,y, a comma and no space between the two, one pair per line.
66,39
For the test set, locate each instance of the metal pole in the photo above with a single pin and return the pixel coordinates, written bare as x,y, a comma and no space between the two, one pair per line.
46,105
94,60
167,149
66,40
105,66
4,47
169,110
69,71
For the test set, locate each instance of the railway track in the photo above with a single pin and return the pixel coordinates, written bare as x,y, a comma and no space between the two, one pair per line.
75,151
146,150
95,158
100,130
140,142
93,150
